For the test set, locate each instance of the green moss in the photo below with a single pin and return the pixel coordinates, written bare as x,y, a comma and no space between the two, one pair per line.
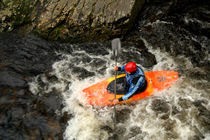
43,34
72,36
20,10
6,2
56,33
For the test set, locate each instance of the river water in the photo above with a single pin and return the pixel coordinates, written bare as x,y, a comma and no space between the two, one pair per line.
180,112
55,109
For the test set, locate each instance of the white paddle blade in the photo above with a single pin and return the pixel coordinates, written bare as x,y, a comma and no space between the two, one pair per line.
116,46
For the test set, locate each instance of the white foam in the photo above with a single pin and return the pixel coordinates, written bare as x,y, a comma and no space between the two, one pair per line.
86,121
157,22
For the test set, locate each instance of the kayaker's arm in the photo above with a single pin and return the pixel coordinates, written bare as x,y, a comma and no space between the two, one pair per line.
133,88
122,69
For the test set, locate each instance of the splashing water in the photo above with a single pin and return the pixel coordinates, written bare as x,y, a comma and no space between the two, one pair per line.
175,113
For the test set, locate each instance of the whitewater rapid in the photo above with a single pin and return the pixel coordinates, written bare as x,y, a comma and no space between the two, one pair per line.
169,114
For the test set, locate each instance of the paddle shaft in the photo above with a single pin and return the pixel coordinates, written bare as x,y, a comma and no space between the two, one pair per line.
116,46
115,83
115,92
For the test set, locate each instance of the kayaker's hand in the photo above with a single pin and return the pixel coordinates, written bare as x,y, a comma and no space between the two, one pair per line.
116,68
115,101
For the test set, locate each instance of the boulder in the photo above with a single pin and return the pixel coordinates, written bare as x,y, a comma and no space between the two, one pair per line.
73,20
87,20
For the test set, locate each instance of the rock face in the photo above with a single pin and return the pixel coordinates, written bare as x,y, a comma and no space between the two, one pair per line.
169,25
14,14
75,20
24,115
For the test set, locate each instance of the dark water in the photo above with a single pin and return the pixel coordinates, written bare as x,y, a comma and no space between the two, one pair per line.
24,115
40,81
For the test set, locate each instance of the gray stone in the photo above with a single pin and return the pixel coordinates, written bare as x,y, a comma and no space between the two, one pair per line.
73,20
11,79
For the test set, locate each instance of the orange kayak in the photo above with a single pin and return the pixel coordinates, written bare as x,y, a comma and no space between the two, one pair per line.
98,94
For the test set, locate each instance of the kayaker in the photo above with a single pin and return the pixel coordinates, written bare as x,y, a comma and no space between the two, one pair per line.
135,80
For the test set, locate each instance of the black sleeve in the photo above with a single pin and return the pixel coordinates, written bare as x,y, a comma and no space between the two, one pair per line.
119,69
120,99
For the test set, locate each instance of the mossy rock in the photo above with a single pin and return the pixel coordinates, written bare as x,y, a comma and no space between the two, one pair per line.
16,13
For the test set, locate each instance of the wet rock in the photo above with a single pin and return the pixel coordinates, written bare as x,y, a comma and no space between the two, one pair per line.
65,118
197,22
16,113
134,40
44,128
160,106
148,59
17,120
16,13
70,20
169,26
87,20
164,41
20,93
95,48
48,104
143,56
5,100
133,54
154,11
52,103
11,79
22,114
26,56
